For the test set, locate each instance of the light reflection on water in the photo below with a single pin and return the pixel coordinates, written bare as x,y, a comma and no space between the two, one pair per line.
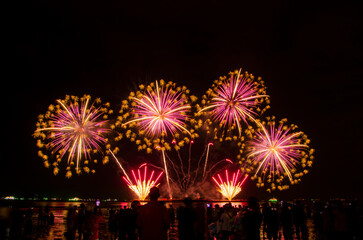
58,230
59,209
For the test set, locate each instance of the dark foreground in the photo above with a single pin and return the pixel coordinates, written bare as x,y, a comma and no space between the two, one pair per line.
334,220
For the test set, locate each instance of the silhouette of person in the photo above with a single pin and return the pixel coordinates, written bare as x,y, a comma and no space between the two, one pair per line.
28,225
153,219
187,219
131,215
112,223
299,217
171,214
252,220
271,222
121,222
71,222
286,221
227,219
81,216
96,218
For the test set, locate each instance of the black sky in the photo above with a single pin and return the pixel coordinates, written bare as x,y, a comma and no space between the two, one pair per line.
310,57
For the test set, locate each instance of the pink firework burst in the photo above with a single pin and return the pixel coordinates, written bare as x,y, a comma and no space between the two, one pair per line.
160,110
230,187
142,184
75,128
234,101
276,150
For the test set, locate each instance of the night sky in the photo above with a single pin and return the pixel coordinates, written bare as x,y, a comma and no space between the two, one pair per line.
310,57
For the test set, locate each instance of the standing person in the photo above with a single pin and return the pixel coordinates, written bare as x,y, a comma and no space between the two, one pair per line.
97,218
121,223
51,218
300,221
216,226
171,214
187,220
40,217
202,227
112,223
71,223
271,222
81,216
318,220
227,219
46,215
237,225
28,225
286,221
132,214
252,220
153,220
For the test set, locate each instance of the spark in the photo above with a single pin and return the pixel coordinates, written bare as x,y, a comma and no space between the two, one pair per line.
230,188
121,167
234,101
160,111
73,128
206,158
277,150
142,184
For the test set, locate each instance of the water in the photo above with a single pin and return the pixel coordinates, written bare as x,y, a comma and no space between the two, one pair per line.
59,209
58,230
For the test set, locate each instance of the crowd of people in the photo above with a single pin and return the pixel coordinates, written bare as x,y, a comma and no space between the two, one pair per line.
19,225
196,220
338,220
85,221
272,220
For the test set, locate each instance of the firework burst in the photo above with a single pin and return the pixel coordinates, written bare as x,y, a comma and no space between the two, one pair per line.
73,128
277,151
154,113
230,187
234,100
142,184
161,111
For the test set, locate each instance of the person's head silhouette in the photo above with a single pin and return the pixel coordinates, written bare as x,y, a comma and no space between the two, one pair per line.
188,202
154,193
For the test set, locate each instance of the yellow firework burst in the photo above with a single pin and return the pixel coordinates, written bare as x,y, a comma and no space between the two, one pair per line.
277,154
73,128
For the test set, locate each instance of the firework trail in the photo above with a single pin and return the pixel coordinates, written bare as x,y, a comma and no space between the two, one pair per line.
277,151
74,127
156,114
190,170
234,100
142,184
229,188
120,166
206,159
